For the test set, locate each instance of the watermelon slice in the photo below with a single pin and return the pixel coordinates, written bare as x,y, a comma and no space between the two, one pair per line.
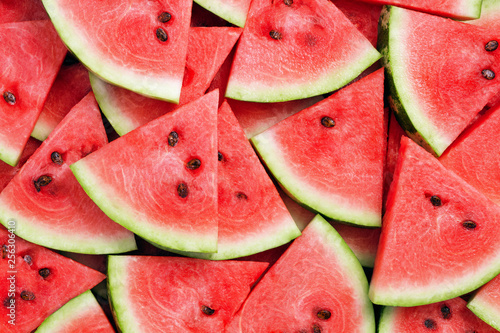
70,86
207,49
139,45
32,54
47,203
159,180
395,133
322,159
485,303
440,236
446,316
234,11
81,314
436,97
294,51
35,282
182,294
317,285
8,172
21,10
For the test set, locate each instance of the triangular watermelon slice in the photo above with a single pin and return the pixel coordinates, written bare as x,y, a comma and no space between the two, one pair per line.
207,50
138,45
317,285
447,316
323,159
160,180
32,54
485,303
81,314
234,11
173,294
47,203
440,237
436,93
35,282
291,50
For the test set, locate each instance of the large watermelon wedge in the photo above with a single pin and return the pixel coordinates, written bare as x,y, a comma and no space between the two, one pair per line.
35,282
435,92
296,49
322,159
160,180
172,294
139,45
207,49
317,285
32,54
440,237
49,206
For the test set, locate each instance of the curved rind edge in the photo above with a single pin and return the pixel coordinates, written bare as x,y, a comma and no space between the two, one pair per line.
485,312
225,12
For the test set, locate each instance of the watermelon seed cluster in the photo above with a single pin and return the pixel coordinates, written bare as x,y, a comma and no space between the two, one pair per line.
161,34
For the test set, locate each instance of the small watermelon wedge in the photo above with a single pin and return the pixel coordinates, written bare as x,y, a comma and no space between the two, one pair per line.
440,237
138,45
35,282
32,53
291,50
159,180
183,294
49,206
485,303
322,159
81,314
233,11
317,285
437,94
446,316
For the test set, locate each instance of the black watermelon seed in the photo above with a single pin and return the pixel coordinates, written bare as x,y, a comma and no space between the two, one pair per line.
288,2
182,190
173,138
42,181
56,158
468,224
220,157
324,314
207,310
488,74
27,258
5,250
193,164
241,195
164,17
275,34
27,295
44,272
430,324
9,97
446,311
7,302
316,328
492,45
161,35
327,122
436,201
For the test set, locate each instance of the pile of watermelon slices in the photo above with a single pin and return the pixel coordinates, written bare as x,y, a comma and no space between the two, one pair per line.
249,166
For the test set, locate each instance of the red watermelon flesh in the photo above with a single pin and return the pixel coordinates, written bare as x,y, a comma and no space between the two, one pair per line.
70,86
32,53
393,140
22,10
44,281
178,294
8,172
222,77
440,236
47,203
476,159
337,168
159,180
447,316
317,285
127,110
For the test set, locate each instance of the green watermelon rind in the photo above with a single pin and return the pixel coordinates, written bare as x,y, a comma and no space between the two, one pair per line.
9,155
118,211
228,13
113,113
167,89
252,92
406,109
50,238
303,193
486,312
386,321
69,311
